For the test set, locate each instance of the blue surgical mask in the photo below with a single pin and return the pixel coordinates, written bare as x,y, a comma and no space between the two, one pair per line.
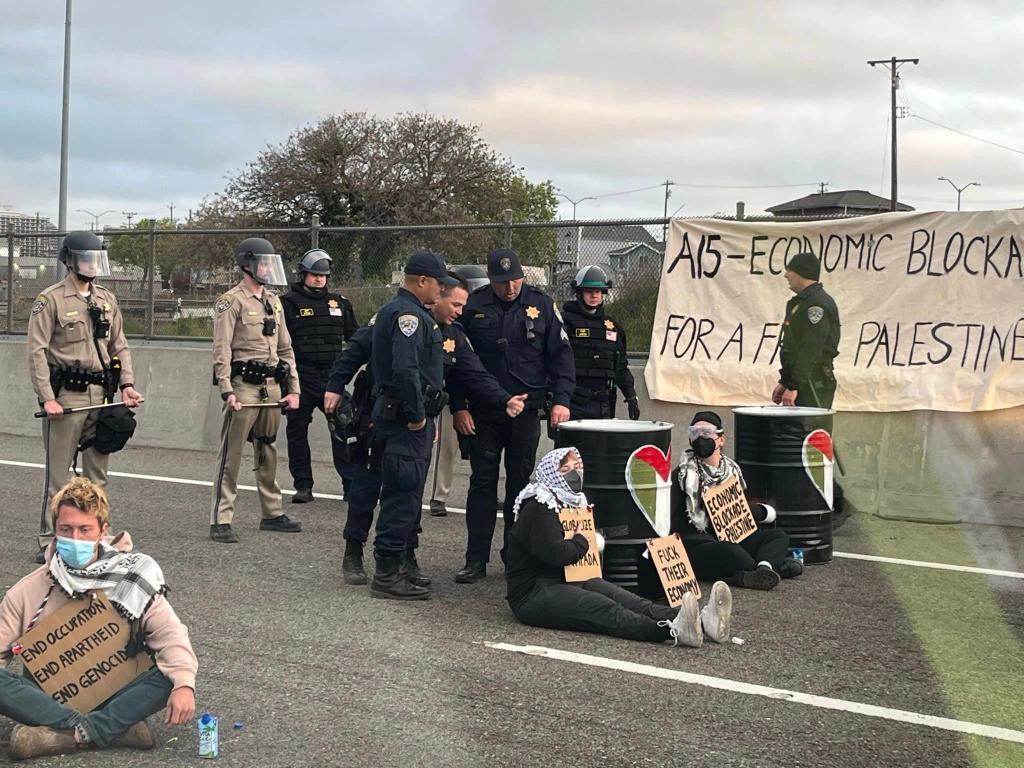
77,553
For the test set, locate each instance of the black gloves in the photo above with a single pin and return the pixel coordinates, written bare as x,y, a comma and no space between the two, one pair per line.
634,408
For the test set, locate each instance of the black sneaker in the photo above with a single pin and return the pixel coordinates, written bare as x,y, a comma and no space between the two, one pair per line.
302,496
791,568
223,533
281,524
761,577
471,573
437,508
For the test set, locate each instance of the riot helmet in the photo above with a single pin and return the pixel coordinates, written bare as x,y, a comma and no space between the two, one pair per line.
256,258
84,254
593,277
315,262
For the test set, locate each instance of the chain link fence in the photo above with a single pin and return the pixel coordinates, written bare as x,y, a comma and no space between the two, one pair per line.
167,281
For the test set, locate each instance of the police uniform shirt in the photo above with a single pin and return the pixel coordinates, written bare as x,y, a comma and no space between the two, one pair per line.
407,353
319,324
810,337
356,354
521,343
599,348
238,334
461,362
60,334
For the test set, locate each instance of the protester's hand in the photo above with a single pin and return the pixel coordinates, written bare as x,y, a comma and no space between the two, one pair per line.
634,408
181,706
515,405
232,402
290,402
777,393
789,396
331,401
416,426
559,413
131,397
53,410
464,424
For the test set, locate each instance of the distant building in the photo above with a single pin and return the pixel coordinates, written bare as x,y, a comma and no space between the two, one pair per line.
845,202
629,250
34,247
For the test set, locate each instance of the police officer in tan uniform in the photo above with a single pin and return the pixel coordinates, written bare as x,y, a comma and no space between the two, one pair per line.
253,364
77,356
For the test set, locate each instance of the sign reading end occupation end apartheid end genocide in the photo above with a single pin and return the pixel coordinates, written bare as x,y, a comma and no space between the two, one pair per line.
729,511
77,655
581,521
677,577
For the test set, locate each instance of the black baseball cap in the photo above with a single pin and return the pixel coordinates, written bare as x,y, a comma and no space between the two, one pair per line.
503,265
429,264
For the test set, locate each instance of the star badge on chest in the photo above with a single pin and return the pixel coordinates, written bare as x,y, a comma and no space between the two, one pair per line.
332,303
448,346
532,312
609,325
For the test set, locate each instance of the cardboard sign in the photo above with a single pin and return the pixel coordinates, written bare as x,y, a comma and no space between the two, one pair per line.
673,565
77,655
729,512
581,521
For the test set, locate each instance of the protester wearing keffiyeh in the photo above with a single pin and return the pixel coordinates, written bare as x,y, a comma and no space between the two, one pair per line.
548,485
130,579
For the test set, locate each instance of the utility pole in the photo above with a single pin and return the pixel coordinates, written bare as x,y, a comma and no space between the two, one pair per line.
664,227
171,206
893,65
129,215
822,187
62,214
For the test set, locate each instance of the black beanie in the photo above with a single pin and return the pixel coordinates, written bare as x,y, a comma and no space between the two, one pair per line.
805,265
709,416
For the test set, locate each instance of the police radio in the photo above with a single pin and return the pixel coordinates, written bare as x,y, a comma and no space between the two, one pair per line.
100,323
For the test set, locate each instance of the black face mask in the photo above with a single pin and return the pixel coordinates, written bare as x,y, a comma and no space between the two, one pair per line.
574,479
703,447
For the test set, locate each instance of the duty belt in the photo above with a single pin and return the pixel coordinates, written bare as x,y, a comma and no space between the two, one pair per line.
600,395
74,378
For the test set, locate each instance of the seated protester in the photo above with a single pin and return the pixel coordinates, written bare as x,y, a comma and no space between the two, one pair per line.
540,596
758,561
80,559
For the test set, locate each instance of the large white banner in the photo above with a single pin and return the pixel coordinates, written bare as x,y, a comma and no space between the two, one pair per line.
931,304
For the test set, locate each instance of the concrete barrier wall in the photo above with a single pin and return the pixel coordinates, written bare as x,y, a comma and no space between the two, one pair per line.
915,464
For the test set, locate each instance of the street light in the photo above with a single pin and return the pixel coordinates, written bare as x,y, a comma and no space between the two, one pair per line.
959,190
95,216
574,202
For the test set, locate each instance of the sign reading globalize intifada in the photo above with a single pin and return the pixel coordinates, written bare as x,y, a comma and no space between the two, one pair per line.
932,309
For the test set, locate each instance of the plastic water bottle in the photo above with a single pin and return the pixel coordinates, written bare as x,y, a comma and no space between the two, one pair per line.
208,741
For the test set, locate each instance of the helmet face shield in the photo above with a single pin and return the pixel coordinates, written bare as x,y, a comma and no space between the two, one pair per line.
267,268
90,264
316,262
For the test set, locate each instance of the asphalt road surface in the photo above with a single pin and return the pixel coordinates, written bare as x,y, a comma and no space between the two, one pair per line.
318,673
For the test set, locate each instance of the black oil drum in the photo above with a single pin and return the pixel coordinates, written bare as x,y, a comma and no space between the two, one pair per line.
786,456
627,469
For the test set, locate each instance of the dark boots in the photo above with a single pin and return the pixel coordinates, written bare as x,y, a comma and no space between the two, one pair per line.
391,583
352,571
411,569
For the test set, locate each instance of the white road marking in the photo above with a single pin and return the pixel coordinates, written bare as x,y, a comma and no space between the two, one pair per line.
779,694
458,510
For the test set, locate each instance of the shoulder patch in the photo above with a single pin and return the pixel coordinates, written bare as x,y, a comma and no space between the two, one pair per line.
814,314
408,324
372,320
40,304
223,303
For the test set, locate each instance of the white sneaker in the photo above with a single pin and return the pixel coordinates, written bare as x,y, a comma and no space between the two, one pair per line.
685,627
716,616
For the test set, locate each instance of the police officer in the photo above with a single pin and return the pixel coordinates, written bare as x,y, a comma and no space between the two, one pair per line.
810,338
253,365
599,349
461,362
409,372
320,322
78,356
516,331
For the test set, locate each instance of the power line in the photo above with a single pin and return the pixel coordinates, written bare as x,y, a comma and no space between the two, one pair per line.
629,191
969,136
749,186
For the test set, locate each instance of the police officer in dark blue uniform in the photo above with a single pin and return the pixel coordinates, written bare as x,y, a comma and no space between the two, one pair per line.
599,348
408,368
518,335
320,322
459,361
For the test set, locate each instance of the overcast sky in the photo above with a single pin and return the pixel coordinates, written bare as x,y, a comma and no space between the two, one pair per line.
598,97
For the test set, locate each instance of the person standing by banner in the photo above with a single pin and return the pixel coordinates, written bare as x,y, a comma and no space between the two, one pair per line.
810,338
78,356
